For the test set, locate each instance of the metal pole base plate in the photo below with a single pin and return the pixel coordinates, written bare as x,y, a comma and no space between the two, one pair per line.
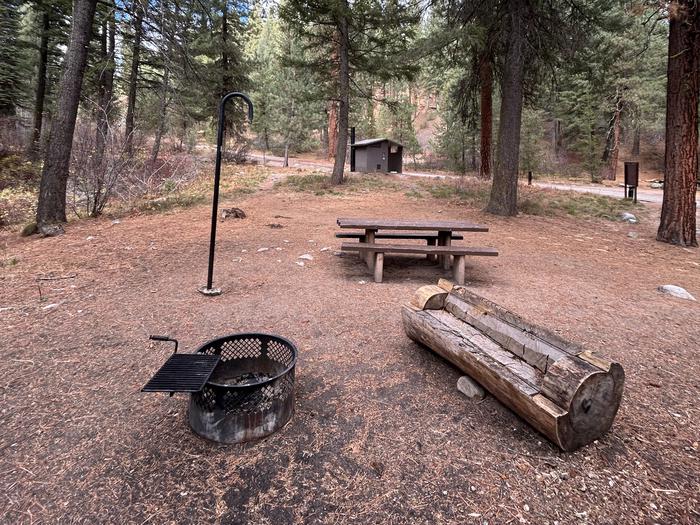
209,291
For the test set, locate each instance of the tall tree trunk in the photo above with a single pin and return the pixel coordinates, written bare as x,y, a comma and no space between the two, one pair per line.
225,62
636,141
162,111
332,107
504,189
163,106
105,87
472,149
133,78
343,102
486,89
332,128
51,207
285,164
678,212
35,144
324,138
612,142
556,137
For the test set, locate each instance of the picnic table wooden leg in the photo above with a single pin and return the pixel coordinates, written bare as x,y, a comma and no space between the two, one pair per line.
440,242
459,269
431,256
378,267
360,253
369,236
447,241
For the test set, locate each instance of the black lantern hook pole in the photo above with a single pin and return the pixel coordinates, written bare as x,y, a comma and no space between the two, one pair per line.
208,289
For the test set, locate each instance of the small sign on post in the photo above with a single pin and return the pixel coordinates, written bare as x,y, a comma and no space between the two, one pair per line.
631,180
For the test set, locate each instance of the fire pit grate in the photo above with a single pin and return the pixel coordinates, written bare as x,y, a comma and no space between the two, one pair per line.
183,373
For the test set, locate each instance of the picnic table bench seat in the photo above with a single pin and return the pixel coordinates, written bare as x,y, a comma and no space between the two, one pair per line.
459,253
431,237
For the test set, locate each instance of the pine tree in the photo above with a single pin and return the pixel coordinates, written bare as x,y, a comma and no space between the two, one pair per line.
678,212
51,208
10,50
345,39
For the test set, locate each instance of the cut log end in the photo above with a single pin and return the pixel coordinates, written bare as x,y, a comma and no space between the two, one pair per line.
429,297
592,409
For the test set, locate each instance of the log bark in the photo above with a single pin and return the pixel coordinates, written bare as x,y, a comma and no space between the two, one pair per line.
678,212
51,208
568,394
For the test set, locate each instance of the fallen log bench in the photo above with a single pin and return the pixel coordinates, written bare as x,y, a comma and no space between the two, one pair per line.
378,250
568,393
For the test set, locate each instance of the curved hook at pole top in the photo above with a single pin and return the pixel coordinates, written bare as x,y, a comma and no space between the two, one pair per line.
237,94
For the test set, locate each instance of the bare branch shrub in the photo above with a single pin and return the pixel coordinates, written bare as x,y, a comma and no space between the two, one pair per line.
14,135
94,180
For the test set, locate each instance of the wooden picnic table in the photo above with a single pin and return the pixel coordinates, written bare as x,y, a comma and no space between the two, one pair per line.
444,228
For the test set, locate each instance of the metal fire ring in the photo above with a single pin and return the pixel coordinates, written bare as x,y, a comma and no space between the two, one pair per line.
250,394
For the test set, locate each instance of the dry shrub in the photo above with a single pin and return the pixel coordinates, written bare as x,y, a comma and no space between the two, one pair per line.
96,179
14,135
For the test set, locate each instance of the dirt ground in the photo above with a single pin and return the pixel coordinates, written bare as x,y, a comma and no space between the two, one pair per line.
380,434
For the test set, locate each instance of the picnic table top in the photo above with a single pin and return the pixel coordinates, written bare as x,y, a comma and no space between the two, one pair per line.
411,224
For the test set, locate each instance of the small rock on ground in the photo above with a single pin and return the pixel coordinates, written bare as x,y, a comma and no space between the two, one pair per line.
307,257
470,388
628,217
676,291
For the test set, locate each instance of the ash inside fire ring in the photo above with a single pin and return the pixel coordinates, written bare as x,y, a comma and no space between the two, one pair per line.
248,378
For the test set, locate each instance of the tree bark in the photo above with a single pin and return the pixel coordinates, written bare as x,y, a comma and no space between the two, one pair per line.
343,102
636,141
504,190
612,142
225,66
332,128
678,212
51,207
333,105
161,117
155,150
324,137
556,137
35,144
133,78
105,87
486,107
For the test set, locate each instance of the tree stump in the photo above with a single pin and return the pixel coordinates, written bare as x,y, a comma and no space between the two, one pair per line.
568,393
